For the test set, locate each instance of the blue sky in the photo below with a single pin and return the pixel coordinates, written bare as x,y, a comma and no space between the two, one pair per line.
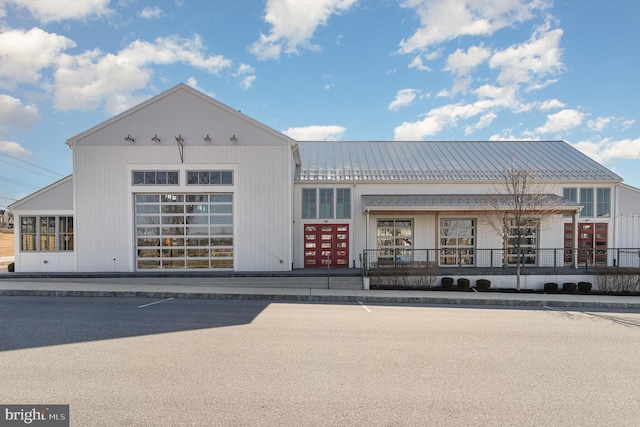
324,70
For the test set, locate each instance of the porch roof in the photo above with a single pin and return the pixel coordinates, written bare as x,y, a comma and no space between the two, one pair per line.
433,203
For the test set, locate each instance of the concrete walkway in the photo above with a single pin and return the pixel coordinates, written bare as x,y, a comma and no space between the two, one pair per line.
293,289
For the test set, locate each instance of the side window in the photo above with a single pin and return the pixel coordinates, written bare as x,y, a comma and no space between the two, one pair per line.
343,203
604,202
309,206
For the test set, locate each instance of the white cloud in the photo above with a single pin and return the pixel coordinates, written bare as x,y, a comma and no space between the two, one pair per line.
151,13
191,81
247,75
417,63
87,80
316,133
484,122
14,113
552,104
443,20
610,149
404,98
599,124
561,121
24,54
530,62
293,24
14,149
462,63
59,10
490,99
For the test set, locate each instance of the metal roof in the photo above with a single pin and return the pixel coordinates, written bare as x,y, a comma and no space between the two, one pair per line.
430,202
444,161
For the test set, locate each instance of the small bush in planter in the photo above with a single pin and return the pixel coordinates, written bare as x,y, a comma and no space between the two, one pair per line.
584,287
483,284
551,287
446,283
464,284
11,268
569,287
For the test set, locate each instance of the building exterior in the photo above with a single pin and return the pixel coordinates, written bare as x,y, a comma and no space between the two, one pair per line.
183,182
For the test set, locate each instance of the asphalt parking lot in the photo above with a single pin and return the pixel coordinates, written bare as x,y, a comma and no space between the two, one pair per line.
140,361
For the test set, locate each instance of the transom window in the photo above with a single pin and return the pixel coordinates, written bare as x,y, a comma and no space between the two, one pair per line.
595,202
326,203
457,241
394,240
46,233
155,177
210,177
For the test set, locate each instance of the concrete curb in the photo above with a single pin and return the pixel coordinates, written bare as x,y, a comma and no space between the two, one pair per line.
329,298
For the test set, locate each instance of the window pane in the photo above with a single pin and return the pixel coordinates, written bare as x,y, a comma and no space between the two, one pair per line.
308,203
326,203
604,202
343,203
586,200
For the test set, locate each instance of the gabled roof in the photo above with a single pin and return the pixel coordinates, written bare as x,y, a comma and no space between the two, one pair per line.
444,161
181,87
60,202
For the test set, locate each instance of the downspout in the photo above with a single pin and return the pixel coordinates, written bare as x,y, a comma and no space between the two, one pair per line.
575,239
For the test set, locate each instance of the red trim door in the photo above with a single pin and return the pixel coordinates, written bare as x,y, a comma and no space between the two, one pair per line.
326,244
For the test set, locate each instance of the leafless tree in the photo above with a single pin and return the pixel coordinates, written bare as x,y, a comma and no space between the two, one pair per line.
518,206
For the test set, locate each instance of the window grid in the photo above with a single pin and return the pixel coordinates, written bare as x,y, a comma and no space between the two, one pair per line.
210,177
46,233
457,241
184,231
394,240
155,178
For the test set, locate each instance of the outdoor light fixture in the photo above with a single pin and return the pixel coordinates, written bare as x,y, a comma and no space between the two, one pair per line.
155,138
207,139
130,139
233,139
180,142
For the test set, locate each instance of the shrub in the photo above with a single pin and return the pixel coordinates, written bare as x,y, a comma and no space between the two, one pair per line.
584,287
618,280
551,287
483,284
446,283
11,267
464,284
569,287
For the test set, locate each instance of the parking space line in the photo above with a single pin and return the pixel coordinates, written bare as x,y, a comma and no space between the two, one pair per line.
364,306
156,302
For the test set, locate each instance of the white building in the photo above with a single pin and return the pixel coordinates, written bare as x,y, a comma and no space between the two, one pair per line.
184,182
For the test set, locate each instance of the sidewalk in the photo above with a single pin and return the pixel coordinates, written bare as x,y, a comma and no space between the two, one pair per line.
294,291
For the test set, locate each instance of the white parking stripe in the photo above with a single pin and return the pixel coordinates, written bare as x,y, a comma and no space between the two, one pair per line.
364,306
152,303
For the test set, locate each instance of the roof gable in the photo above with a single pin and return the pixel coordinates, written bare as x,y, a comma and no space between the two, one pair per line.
445,161
54,197
180,112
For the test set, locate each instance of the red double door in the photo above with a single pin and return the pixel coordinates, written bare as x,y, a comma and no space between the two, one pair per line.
592,243
326,244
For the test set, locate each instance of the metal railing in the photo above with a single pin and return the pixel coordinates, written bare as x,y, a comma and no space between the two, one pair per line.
554,258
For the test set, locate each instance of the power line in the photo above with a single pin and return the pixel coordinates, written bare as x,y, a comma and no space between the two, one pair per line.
24,184
48,175
34,165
